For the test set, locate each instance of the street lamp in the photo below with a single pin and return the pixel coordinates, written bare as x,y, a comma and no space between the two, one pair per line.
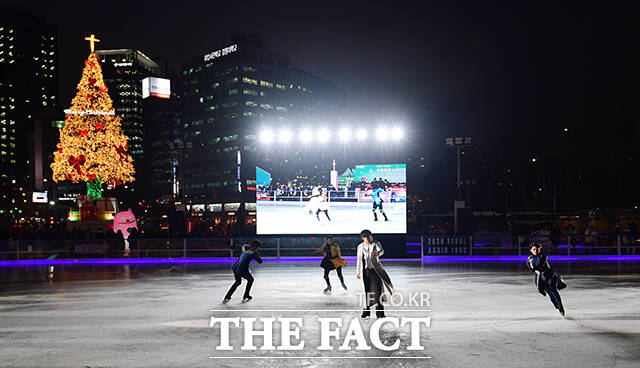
458,143
179,147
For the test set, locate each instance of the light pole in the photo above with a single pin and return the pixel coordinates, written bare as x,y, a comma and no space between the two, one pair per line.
458,143
179,147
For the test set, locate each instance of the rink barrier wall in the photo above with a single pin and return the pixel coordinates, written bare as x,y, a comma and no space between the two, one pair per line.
208,260
304,247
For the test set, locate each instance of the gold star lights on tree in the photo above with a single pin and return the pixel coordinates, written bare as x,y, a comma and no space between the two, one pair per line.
92,148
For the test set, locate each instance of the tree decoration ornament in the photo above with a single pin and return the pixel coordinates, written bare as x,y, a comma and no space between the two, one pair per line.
92,147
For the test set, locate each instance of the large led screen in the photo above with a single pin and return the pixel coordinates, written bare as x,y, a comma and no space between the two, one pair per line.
327,198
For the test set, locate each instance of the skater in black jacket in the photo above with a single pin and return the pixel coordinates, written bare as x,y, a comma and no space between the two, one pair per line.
332,261
374,276
547,280
241,269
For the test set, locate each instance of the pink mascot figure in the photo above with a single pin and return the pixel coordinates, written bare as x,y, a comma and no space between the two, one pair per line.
124,222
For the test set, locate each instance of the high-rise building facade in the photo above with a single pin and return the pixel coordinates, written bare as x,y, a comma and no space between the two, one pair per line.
162,144
28,93
124,70
230,94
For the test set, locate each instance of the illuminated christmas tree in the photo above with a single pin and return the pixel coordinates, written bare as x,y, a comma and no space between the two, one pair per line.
92,147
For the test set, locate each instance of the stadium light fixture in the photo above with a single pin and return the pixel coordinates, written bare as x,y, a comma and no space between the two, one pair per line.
266,136
306,135
285,136
381,133
344,134
361,134
323,135
397,133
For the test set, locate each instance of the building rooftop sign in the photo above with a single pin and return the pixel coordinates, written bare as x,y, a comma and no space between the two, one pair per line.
222,52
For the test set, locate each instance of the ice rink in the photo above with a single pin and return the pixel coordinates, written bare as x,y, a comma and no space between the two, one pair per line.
283,217
484,314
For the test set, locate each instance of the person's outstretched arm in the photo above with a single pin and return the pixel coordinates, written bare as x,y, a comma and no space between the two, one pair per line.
256,256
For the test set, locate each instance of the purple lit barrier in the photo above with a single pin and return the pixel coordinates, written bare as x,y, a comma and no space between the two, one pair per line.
562,258
427,259
118,261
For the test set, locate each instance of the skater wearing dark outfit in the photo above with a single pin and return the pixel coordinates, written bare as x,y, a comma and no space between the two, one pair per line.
377,203
241,269
547,280
332,261
374,277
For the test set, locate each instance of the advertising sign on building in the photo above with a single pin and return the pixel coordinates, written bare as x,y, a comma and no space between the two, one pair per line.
156,87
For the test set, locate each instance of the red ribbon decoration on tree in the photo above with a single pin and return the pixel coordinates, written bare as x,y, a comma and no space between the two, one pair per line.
122,151
83,132
60,150
99,126
77,162
91,176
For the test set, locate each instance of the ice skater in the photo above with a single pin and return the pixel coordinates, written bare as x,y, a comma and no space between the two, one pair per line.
332,261
318,203
376,195
241,270
373,275
547,280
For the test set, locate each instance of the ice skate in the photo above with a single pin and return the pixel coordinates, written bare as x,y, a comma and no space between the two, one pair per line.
226,300
344,286
366,314
246,299
327,290
562,313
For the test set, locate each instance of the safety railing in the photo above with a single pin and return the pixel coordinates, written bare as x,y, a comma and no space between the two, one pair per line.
479,244
165,247
502,244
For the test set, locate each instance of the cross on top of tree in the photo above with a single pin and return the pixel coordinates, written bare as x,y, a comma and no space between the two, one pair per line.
92,40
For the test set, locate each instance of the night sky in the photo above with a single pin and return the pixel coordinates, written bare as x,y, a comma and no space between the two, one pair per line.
513,76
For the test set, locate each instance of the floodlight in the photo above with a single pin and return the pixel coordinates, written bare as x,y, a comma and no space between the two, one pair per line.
397,133
323,135
344,134
306,135
266,136
285,136
361,134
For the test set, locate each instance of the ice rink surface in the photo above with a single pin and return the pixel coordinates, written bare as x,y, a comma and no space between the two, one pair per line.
346,218
483,315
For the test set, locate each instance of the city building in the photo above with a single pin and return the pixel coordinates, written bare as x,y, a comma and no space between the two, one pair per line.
28,104
123,71
230,92
162,144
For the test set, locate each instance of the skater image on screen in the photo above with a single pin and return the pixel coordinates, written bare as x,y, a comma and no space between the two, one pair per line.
241,270
547,280
373,275
376,195
318,203
332,261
